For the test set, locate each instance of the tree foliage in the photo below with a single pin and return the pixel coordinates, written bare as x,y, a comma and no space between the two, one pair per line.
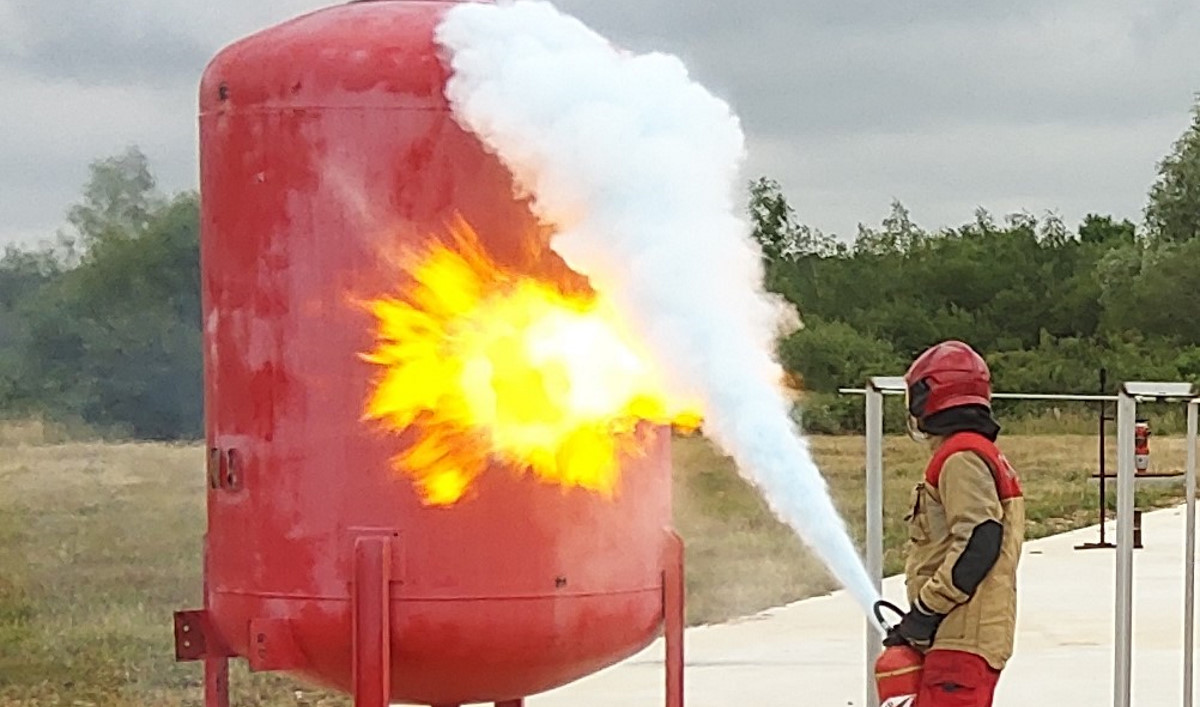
114,338
119,200
1173,211
1020,286
1048,305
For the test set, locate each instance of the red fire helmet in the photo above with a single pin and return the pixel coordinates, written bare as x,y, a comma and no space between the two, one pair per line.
947,375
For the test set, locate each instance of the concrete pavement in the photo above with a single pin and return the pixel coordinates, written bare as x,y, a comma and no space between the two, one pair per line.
812,652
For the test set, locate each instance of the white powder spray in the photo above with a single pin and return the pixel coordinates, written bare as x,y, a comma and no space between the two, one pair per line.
638,168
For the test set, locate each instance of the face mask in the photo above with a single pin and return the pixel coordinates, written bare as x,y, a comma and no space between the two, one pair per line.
914,433
912,422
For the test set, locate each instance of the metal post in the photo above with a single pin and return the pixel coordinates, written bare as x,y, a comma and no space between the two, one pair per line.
1103,455
874,541
216,682
674,596
1123,640
1189,557
1104,476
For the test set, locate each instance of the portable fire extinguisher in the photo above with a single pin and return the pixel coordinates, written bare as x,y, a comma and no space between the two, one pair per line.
1141,446
898,668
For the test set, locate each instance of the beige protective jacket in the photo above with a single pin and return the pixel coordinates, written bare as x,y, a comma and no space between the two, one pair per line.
966,528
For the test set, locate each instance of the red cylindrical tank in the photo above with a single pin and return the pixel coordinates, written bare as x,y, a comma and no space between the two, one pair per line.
325,141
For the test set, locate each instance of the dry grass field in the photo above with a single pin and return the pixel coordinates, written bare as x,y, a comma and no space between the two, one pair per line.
100,542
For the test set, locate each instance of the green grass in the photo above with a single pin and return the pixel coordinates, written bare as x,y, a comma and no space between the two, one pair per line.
100,543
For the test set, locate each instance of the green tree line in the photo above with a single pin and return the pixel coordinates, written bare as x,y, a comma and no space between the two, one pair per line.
103,326
1047,305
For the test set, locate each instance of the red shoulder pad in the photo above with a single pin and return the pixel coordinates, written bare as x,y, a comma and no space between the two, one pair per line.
1007,483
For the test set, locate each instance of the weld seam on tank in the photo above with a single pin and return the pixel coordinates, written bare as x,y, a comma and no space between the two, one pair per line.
533,597
455,598
488,597
289,108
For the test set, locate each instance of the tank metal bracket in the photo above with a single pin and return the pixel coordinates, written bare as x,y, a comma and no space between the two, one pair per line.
273,646
194,637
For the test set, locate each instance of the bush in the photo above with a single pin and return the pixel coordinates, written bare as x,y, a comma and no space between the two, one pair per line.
826,355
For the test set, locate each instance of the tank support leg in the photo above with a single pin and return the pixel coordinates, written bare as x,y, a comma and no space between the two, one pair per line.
216,682
673,617
196,640
372,623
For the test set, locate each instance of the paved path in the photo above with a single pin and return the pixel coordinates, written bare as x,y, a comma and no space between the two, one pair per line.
811,653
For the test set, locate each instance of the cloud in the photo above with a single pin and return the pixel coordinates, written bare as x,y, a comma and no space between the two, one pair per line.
103,45
1063,105
159,43
944,174
56,128
843,67
846,103
85,79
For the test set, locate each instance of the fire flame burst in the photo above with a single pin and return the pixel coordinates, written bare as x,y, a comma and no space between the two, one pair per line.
480,363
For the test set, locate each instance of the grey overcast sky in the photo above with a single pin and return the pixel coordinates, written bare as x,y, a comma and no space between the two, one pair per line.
1036,105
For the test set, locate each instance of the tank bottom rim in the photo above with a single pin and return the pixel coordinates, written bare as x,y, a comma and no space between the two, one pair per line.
397,594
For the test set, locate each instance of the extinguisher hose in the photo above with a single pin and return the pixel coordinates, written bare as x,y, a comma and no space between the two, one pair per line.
885,604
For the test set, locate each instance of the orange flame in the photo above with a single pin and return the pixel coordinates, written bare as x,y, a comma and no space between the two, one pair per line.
483,363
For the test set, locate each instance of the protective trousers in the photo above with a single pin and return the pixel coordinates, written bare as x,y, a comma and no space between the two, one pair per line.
956,679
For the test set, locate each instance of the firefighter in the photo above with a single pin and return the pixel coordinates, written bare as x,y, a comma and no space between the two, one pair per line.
966,526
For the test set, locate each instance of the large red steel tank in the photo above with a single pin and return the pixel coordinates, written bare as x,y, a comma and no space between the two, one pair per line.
323,141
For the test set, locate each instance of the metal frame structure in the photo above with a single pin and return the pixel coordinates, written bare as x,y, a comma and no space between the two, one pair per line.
877,387
1102,473
1189,556
1130,394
